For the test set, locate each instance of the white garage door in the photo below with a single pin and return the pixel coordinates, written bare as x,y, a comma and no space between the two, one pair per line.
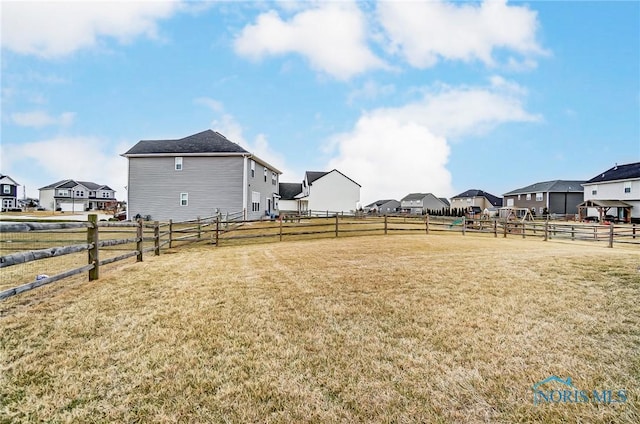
68,207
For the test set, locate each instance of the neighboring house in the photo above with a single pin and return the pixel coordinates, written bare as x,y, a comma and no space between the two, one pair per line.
615,192
475,199
199,176
8,192
76,196
557,196
419,203
288,193
330,191
383,206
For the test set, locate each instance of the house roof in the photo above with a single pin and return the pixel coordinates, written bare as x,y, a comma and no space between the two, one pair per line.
288,191
444,200
72,183
203,142
380,202
312,176
555,186
605,204
618,172
415,196
494,200
2,176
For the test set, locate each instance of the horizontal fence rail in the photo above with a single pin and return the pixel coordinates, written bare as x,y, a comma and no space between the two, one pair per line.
141,237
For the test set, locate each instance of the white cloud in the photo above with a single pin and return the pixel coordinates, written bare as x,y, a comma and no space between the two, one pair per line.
332,36
40,119
395,151
52,29
226,124
391,158
39,163
371,90
428,31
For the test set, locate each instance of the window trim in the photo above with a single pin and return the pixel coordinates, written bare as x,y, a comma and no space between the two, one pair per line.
184,199
6,189
178,163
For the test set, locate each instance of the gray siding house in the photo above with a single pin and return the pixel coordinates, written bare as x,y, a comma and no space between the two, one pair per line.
76,196
199,176
557,196
383,206
418,203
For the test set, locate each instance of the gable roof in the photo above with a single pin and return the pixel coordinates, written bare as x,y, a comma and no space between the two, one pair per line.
288,191
2,177
444,200
380,202
415,196
72,183
555,186
312,176
203,142
618,172
494,200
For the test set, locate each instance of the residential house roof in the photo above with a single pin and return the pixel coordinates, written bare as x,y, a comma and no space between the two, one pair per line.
618,172
555,186
494,200
444,200
380,202
414,196
312,176
72,183
203,142
3,176
288,191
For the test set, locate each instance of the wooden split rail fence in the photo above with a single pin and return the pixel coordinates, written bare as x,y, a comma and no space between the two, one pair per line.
215,231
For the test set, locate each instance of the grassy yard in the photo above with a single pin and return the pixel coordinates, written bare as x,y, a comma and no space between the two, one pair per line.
403,328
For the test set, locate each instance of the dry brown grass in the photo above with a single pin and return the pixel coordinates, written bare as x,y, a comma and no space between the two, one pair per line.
439,328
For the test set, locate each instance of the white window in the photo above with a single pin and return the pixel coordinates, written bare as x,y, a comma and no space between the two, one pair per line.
627,187
178,163
274,178
63,192
509,202
518,197
79,193
106,195
253,169
265,174
255,201
6,189
528,196
468,200
539,197
184,199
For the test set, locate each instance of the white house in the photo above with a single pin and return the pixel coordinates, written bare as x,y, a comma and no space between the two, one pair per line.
614,192
330,192
76,196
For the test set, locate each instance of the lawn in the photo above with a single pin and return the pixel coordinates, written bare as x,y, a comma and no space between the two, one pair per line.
403,328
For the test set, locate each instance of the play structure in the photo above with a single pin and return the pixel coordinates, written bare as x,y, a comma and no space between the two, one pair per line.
515,214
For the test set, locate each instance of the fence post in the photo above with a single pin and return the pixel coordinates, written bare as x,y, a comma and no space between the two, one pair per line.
217,231
280,227
524,229
505,228
199,229
92,238
495,228
385,225
336,224
139,235
573,233
427,223
546,230
156,237
633,231
170,233
611,234
464,225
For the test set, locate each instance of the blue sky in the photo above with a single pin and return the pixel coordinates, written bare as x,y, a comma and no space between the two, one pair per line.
401,96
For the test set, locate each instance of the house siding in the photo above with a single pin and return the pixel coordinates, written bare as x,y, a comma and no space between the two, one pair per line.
333,192
211,183
614,190
265,188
